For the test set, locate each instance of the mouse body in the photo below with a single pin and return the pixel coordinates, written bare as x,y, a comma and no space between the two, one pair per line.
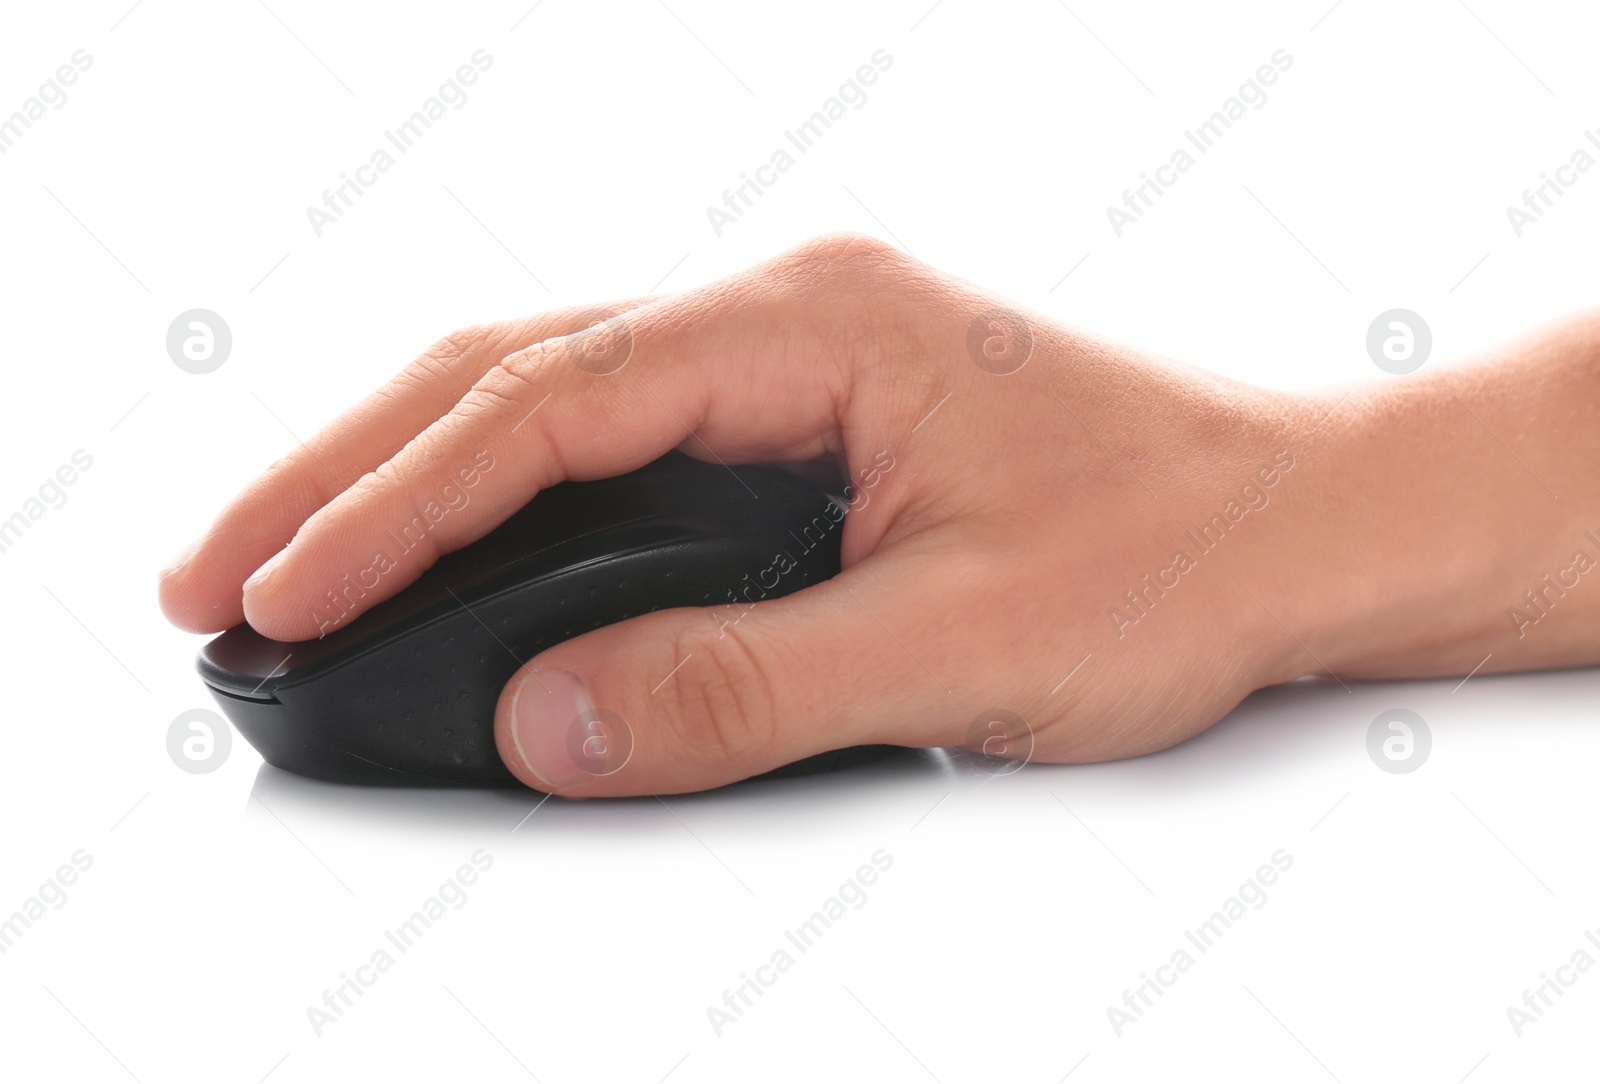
405,693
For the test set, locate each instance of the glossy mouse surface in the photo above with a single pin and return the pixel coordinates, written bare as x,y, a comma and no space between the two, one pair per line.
405,693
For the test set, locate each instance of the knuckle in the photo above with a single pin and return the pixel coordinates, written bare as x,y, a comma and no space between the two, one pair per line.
402,482
507,390
870,289
298,480
842,262
283,469
388,475
525,366
446,357
843,250
849,265
720,705
384,481
465,340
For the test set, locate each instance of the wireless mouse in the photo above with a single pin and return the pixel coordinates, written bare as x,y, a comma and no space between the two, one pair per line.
405,693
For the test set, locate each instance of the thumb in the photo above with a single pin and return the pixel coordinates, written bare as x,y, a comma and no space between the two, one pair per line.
687,699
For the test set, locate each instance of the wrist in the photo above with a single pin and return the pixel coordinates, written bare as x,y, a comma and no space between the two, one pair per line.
1397,563
1432,511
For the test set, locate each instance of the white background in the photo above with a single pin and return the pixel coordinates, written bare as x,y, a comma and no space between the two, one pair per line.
219,907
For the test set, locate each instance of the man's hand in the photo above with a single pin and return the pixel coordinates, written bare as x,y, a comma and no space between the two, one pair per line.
1107,548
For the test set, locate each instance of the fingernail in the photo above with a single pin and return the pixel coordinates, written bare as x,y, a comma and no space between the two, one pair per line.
181,559
544,709
260,574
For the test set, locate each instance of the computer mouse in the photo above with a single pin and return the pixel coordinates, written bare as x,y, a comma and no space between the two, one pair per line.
405,693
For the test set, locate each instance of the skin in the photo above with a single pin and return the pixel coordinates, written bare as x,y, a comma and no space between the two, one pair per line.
998,520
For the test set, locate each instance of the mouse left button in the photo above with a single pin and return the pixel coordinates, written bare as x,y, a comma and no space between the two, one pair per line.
243,663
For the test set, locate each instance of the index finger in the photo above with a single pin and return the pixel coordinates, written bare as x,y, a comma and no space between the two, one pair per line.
203,589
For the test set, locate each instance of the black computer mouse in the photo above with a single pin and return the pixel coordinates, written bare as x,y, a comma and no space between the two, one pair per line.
405,694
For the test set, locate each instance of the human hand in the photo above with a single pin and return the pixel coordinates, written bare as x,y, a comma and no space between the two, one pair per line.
1099,550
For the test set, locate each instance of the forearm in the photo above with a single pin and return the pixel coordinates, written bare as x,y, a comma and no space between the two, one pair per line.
1452,519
